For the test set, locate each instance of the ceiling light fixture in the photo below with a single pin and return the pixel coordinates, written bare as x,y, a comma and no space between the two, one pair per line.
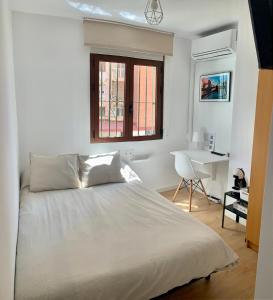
153,12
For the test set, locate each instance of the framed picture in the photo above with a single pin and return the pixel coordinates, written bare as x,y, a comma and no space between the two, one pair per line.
215,87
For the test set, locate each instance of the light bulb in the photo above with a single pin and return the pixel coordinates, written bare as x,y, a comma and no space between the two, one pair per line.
154,5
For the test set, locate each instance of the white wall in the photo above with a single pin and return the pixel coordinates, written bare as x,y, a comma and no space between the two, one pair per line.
216,118
238,115
244,95
8,158
52,84
245,91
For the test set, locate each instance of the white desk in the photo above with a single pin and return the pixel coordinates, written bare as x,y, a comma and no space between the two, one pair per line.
203,157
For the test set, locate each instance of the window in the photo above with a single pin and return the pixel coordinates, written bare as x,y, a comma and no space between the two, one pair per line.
102,111
126,99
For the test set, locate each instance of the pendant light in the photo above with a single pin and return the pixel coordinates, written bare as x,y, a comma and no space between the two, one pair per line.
153,12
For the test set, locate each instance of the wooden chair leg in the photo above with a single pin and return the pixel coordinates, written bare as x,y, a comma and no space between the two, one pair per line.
178,188
190,196
204,191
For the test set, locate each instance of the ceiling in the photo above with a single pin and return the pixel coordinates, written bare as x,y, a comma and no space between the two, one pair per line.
186,18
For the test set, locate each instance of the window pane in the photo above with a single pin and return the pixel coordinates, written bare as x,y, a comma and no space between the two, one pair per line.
144,100
111,99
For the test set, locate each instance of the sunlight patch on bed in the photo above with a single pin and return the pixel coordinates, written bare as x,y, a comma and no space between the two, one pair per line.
103,160
128,174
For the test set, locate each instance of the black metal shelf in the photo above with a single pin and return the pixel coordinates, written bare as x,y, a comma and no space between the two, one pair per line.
230,207
235,211
232,195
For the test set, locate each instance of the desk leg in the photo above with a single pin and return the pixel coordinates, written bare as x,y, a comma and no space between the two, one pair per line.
213,171
237,219
190,195
223,215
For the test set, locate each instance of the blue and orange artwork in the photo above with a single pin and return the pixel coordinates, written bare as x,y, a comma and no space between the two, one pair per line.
215,87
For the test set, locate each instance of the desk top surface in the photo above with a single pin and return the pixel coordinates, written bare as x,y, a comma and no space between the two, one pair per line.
202,157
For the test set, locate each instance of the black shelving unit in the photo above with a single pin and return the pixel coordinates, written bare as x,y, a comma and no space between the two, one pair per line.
230,207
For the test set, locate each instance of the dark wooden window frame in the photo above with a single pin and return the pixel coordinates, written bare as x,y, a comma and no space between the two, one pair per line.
128,102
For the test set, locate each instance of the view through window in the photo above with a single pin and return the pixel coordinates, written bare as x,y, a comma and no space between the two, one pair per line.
126,98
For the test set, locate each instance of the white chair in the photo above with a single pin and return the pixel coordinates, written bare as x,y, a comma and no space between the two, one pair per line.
190,177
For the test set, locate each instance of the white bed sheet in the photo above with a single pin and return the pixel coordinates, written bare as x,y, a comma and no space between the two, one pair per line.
110,242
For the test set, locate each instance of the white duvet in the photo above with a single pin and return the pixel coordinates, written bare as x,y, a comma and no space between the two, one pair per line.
110,242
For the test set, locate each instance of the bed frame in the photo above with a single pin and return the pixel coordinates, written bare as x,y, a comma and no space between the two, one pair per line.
178,287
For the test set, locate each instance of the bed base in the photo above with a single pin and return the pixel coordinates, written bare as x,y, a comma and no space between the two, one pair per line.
207,278
196,279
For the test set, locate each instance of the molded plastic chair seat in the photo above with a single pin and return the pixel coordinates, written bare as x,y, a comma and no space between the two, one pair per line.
191,177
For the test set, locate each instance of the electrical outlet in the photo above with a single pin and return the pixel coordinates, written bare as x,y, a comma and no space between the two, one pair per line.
128,154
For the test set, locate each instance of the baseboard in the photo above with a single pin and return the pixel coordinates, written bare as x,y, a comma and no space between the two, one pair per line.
252,246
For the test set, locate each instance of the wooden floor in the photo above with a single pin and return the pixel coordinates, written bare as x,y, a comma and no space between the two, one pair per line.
237,283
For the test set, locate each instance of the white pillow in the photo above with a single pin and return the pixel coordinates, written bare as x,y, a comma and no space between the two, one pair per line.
58,172
25,178
100,169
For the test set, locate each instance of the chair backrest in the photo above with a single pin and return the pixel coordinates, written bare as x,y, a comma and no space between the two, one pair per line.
183,166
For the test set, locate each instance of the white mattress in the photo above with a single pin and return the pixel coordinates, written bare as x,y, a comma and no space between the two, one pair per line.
113,242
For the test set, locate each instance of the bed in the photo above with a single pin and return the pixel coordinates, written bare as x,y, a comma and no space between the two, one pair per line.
114,241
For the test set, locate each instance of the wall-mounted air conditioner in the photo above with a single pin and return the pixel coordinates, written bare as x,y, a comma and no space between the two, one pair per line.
215,46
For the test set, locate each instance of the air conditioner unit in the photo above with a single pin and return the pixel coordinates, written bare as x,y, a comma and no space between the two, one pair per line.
215,46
